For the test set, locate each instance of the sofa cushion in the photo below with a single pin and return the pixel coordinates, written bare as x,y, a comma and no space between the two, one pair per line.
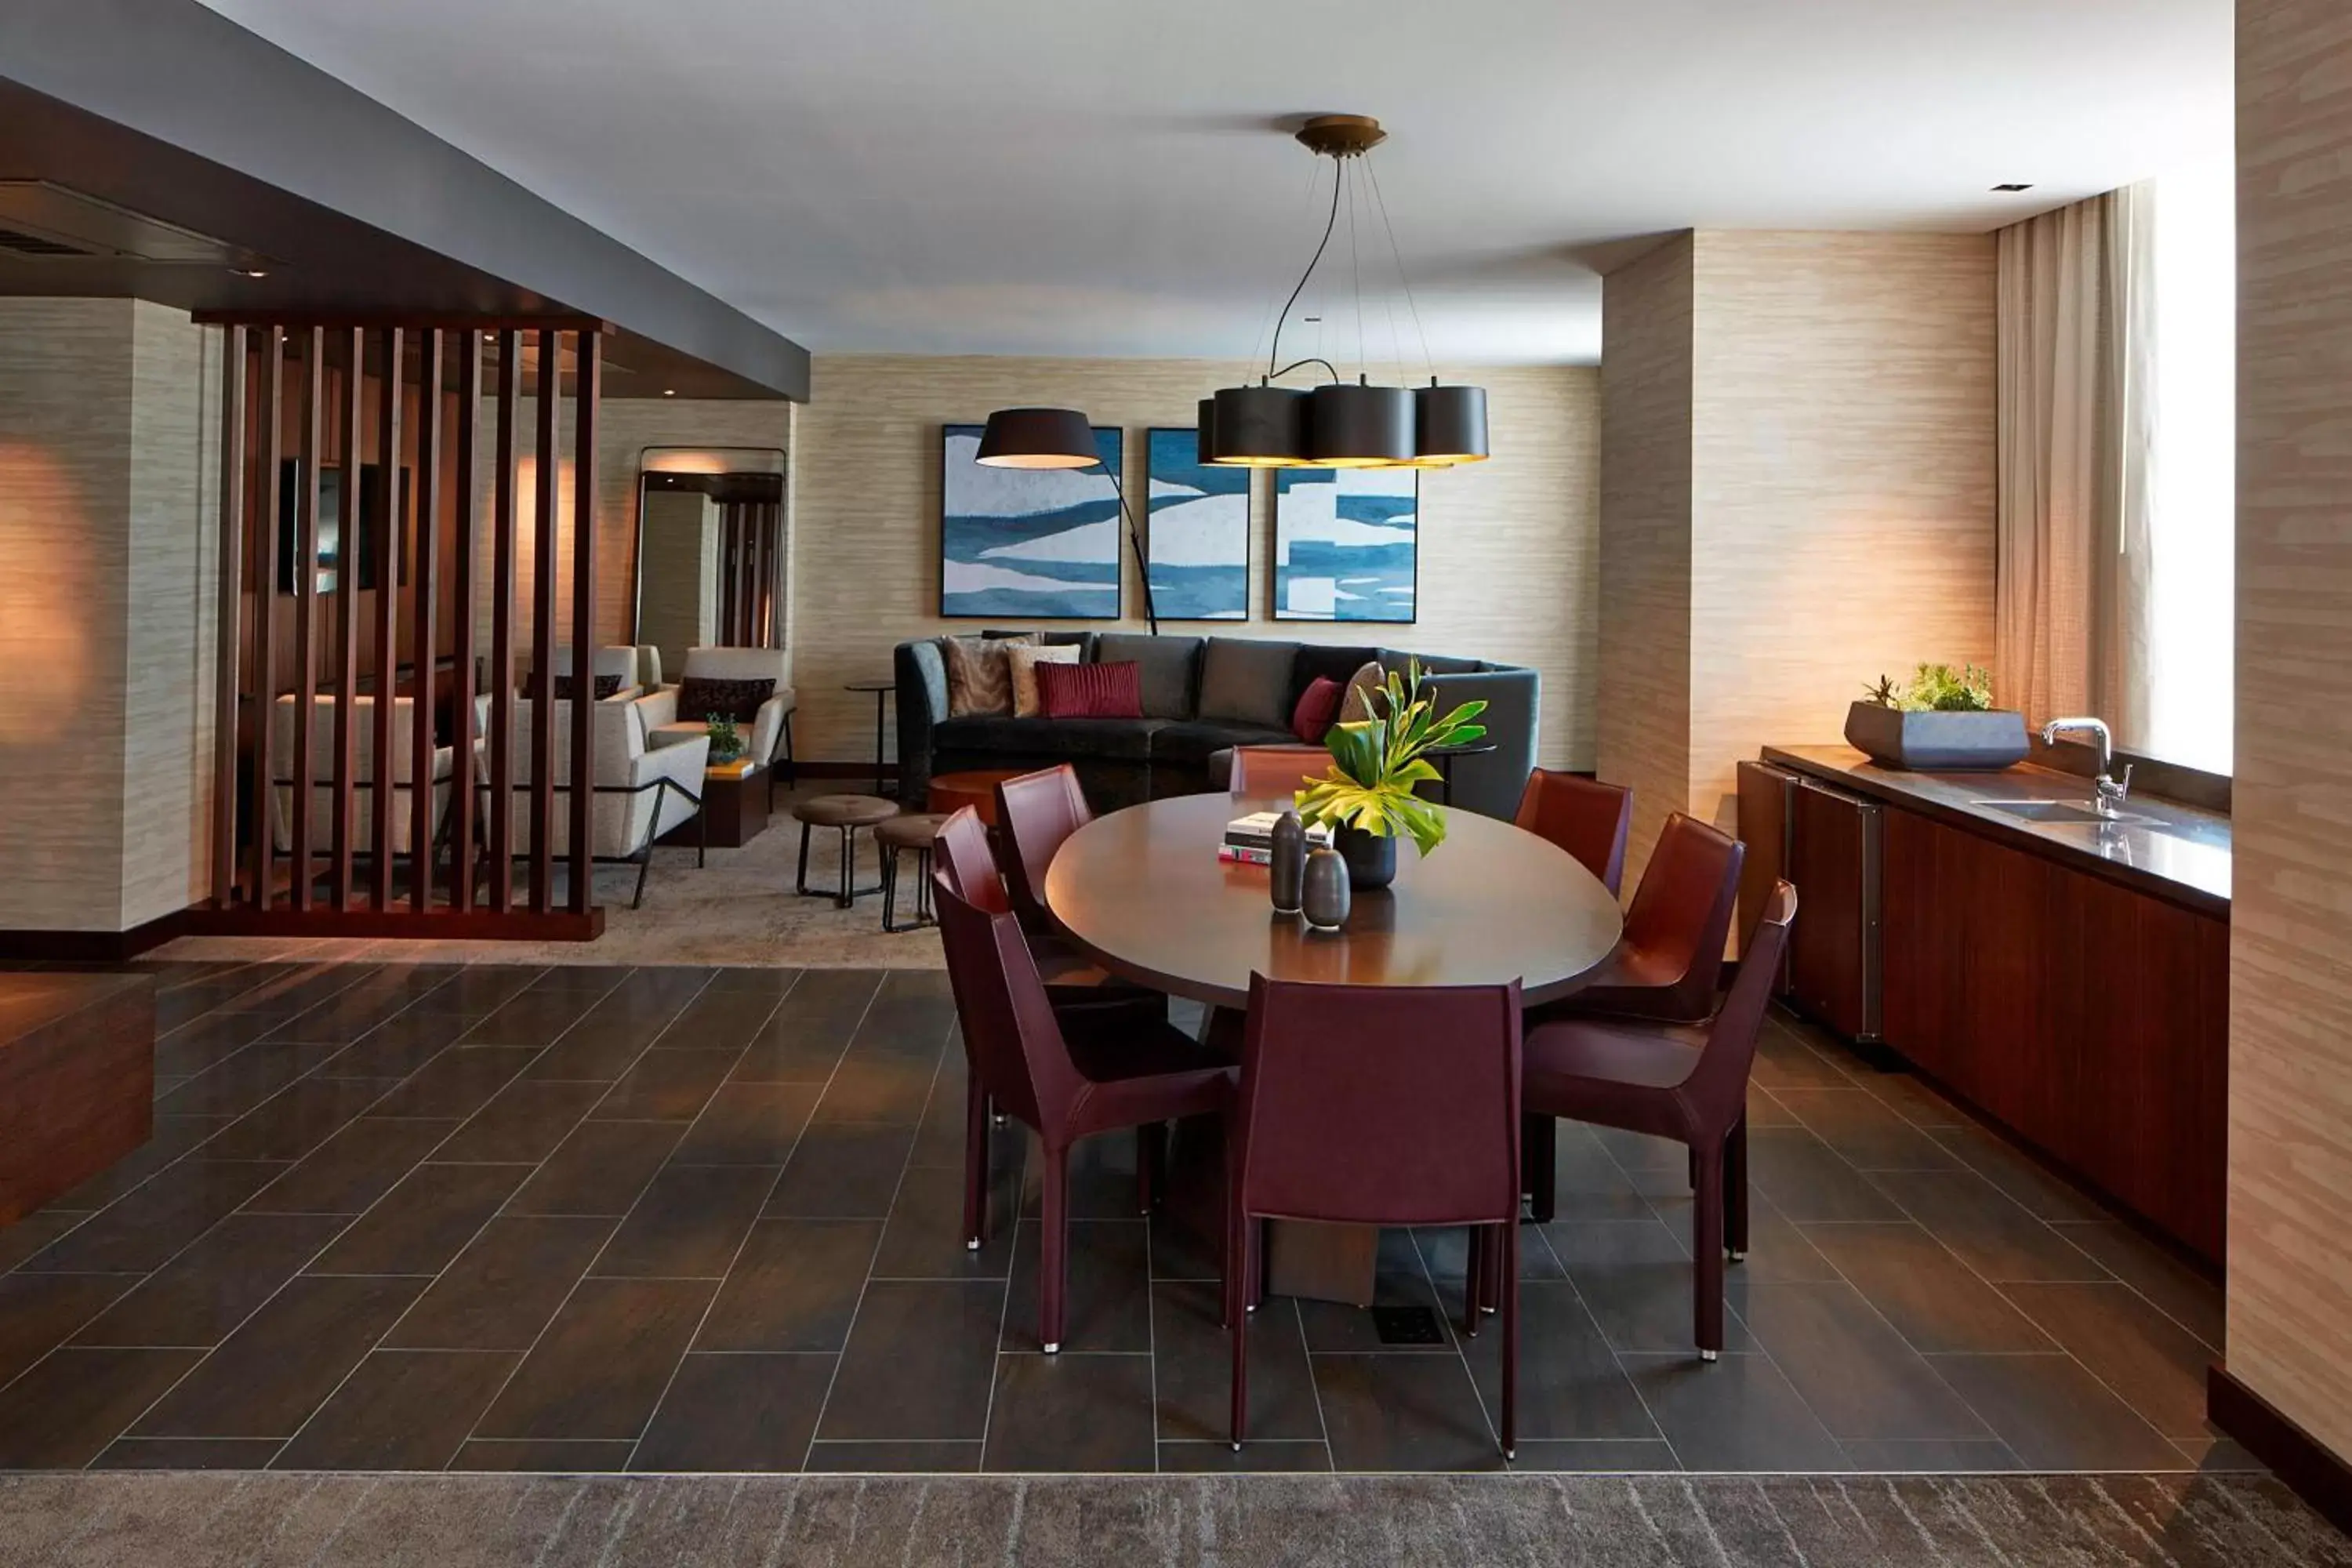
700,696
1090,690
1431,663
1334,663
1248,679
1171,670
979,678
1127,739
1192,745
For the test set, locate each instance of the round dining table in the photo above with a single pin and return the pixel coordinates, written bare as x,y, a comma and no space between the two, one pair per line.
1143,891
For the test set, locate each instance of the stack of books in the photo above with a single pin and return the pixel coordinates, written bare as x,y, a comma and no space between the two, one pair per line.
1249,841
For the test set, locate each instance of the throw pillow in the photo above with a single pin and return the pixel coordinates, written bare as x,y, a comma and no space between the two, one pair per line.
1317,709
1248,681
1357,707
700,696
1091,690
980,680
607,685
1022,661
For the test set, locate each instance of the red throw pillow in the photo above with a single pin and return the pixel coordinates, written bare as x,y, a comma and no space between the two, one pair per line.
1317,709
1090,690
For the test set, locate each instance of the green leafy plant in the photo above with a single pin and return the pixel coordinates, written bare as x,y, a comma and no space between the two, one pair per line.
726,740
1935,689
1377,763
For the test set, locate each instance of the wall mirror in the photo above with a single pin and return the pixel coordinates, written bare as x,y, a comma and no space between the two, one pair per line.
711,549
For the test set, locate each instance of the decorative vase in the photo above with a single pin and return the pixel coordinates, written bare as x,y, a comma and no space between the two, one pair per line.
1370,857
1323,891
1288,865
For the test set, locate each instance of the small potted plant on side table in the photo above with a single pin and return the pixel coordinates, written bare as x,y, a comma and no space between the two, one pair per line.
726,740
1369,798
1943,720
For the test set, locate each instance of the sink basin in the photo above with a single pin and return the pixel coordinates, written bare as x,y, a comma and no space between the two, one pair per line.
2061,812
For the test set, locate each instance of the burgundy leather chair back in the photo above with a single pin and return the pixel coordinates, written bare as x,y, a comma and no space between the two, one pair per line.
1010,1036
1681,916
960,853
1034,813
1273,772
1587,818
1717,1087
1379,1104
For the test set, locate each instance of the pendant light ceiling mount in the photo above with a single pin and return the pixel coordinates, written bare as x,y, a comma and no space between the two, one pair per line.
1344,424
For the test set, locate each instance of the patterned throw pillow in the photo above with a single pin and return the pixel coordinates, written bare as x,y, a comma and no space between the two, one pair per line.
1022,661
700,696
1091,690
607,685
1367,680
980,678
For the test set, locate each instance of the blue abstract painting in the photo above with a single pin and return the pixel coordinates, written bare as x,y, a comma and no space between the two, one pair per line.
1028,544
1345,546
1197,544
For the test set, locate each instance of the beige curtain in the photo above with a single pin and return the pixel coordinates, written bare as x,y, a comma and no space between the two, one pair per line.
2073,337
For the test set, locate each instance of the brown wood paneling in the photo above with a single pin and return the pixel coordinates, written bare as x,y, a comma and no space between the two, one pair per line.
1764,803
1832,853
77,1080
300,768
588,396
465,821
263,576
546,494
347,609
423,642
383,802
236,487
2087,1018
502,608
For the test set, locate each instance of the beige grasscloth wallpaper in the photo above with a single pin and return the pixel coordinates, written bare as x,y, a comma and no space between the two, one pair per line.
1798,493
2290,1272
1509,548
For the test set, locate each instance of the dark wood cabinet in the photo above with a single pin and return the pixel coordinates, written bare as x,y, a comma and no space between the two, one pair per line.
1833,863
2089,1019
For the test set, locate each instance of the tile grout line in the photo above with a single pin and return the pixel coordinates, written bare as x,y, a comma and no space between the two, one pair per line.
1615,1355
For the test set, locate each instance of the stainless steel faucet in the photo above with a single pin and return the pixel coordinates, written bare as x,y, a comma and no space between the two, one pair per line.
2110,794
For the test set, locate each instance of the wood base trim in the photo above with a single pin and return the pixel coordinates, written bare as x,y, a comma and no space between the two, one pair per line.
92,946
435,925
2318,1476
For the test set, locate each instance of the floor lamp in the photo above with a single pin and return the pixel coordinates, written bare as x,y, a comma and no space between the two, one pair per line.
1061,438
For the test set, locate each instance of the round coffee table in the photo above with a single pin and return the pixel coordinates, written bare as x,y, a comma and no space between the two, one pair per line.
977,789
848,812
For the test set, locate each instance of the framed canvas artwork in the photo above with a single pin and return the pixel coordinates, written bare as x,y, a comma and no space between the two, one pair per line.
1346,543
1197,538
1027,544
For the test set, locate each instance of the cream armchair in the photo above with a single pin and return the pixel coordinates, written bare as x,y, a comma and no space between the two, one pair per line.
641,792
770,737
288,776
619,662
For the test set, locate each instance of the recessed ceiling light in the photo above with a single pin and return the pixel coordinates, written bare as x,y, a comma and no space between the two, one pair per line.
2013,189
670,391
250,272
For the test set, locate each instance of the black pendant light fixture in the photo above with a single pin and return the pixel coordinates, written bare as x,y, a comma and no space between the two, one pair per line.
1343,424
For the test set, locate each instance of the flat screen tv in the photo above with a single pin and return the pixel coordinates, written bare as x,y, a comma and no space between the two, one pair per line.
329,564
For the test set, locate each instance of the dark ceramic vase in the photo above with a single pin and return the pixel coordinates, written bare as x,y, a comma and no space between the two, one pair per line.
1289,865
1371,858
1324,897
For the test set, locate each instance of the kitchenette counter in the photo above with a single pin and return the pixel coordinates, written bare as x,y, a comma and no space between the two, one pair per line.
2177,853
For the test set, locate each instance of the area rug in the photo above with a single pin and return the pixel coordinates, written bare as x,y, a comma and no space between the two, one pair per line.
200,1521
739,909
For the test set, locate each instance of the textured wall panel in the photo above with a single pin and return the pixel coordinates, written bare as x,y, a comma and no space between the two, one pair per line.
1508,548
2290,1273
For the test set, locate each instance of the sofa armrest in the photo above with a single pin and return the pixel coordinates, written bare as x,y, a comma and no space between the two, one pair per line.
655,708
1491,784
768,726
921,670
682,764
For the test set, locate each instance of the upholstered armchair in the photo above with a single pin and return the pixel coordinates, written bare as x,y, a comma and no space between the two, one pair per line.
641,792
289,775
621,663
768,738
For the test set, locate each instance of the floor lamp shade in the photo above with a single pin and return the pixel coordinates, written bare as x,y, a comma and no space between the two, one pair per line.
1360,425
1037,438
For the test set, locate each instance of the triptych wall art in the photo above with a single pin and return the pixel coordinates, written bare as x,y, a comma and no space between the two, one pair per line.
1032,544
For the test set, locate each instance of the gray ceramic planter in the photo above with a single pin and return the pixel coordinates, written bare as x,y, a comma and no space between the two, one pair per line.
1936,743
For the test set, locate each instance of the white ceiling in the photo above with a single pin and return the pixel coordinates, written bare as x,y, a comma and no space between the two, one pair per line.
1105,177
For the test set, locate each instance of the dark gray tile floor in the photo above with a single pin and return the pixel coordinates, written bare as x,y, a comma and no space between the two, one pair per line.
419,1217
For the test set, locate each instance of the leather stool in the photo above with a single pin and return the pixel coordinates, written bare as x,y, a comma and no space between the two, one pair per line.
848,812
909,830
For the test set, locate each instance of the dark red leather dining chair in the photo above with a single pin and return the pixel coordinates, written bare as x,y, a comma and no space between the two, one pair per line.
1063,1084
1672,1082
1375,1105
1584,816
1035,815
1271,772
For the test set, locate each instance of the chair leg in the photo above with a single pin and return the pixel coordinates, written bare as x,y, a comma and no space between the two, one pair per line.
1735,1190
1473,1279
1693,1170
791,763
645,864
1706,1247
923,915
848,865
889,856
975,1163
1510,1254
1053,1233
1237,1271
800,877
1539,1162
1490,1291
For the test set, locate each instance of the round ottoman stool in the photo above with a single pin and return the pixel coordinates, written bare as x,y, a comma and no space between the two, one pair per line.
848,812
909,830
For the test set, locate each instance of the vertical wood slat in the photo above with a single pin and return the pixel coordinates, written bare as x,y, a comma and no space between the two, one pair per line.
545,493
301,767
757,556
235,488
422,643
347,602
464,824
503,609
587,391
382,800
265,562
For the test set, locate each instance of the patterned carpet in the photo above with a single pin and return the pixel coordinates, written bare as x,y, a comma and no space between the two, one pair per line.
197,1521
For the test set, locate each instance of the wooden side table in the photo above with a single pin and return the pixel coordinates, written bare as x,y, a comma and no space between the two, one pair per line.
734,808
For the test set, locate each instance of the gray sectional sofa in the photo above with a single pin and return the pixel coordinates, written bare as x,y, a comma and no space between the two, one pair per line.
1201,696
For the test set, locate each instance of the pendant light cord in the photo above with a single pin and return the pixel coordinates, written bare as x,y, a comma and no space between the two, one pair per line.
1402,277
1329,224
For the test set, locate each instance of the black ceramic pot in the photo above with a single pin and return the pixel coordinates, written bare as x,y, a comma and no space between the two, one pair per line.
1371,859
